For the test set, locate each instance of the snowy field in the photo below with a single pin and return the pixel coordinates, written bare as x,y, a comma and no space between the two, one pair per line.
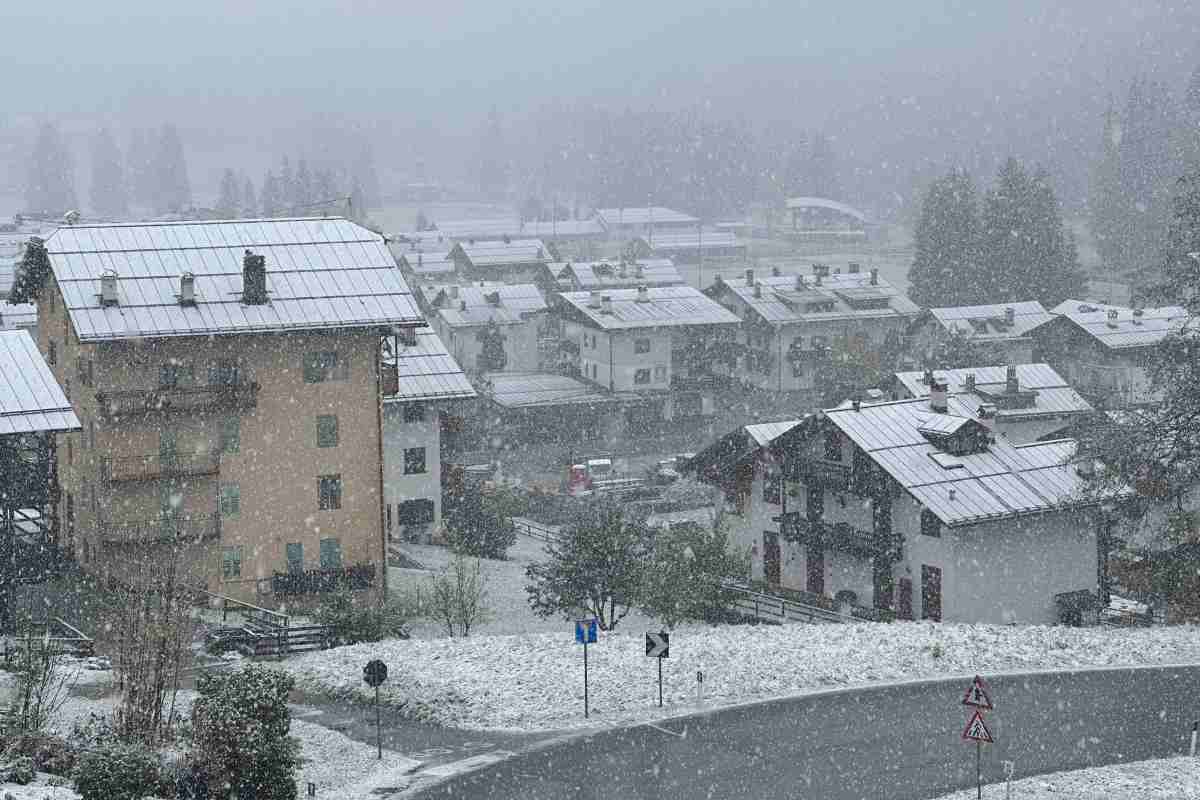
532,682
1159,779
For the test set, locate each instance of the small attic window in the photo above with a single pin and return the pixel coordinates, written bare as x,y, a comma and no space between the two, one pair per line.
980,325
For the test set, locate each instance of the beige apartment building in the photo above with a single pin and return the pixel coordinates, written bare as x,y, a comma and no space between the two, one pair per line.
226,376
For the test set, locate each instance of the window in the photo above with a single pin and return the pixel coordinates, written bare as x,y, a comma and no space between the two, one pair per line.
225,372
414,512
641,346
174,374
660,374
295,557
833,445
388,508
930,524
414,460
51,352
230,499
84,367
329,492
641,376
414,412
70,450
773,488
331,553
324,366
231,435
231,562
327,430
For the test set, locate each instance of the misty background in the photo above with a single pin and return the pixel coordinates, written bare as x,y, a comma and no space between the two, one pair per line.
897,92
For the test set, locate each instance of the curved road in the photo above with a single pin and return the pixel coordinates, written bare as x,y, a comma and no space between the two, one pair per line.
899,742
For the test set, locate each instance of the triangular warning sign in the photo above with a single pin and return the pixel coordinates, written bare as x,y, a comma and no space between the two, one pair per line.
977,729
978,696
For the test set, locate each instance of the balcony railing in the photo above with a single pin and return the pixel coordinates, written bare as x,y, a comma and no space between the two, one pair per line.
161,530
828,474
840,536
160,465
316,581
181,399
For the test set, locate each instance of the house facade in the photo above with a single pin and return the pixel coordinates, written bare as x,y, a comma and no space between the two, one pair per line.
1006,329
467,316
226,376
790,322
912,506
423,388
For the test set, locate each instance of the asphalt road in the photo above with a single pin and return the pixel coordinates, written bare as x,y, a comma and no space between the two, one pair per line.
899,743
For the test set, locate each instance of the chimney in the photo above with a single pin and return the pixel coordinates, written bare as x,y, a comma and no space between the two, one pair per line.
1010,315
854,268
643,294
638,271
594,300
454,292
623,271
758,290
970,381
492,298
187,289
1011,386
816,276
987,417
927,379
874,276
856,404
108,288
1112,318
775,272
749,277
254,279
937,397
799,283
606,304
462,305
952,494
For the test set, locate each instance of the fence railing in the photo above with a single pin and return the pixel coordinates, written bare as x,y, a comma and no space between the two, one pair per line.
55,633
536,530
161,530
772,608
159,465
178,399
357,577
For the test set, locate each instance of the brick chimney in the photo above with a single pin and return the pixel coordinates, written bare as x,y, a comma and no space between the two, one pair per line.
187,289
1011,386
254,279
937,397
108,288
749,277
874,276
643,295
970,382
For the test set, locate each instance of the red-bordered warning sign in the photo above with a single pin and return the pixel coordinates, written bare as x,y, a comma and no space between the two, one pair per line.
977,729
977,695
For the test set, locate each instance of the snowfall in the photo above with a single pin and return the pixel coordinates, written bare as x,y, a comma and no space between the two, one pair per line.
533,681
1162,779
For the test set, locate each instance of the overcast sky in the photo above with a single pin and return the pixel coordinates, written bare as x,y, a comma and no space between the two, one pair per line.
241,65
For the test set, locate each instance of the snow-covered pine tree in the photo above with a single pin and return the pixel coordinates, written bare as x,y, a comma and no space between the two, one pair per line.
50,185
249,200
229,197
108,191
945,265
172,190
270,201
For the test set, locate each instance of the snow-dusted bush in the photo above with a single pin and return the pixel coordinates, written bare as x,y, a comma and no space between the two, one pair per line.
353,620
49,753
119,772
240,733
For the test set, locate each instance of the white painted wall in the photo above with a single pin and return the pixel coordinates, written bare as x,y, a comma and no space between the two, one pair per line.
617,362
398,487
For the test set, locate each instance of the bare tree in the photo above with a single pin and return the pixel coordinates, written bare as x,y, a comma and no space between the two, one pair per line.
43,682
460,595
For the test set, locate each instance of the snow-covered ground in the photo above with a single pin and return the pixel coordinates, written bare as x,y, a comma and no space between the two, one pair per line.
1159,779
533,682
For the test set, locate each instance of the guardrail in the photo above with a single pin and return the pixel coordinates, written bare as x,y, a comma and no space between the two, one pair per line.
772,608
70,640
536,530
167,399
198,527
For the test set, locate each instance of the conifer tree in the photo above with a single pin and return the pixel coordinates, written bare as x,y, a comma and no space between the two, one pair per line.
367,177
108,191
946,263
172,190
249,201
304,189
1107,204
50,185
270,200
139,167
325,188
228,200
287,188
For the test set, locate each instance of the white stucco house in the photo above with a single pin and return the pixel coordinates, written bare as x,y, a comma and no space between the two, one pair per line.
913,506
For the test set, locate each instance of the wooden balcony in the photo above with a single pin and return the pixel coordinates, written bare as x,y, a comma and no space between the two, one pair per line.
133,402
840,536
161,530
160,465
828,474
357,577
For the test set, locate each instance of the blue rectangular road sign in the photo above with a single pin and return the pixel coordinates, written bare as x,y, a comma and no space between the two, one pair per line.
585,631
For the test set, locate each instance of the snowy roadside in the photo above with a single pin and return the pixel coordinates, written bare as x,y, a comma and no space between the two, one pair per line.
1157,779
533,682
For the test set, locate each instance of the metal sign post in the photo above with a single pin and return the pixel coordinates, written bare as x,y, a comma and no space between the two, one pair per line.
585,634
1195,725
375,673
658,645
977,730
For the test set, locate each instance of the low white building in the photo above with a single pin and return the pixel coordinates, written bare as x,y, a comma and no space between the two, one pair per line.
1007,328
1027,401
465,315
910,507
587,276
422,383
631,221
506,260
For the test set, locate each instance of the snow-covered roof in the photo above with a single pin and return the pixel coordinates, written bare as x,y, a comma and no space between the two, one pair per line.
647,215
660,307
425,370
787,298
475,304
664,242
1051,394
832,205
424,262
501,253
562,229
606,274
30,398
322,273
532,389
990,322
1002,481
488,228
1120,327
17,315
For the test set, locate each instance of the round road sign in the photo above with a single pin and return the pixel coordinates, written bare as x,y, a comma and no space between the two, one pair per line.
375,672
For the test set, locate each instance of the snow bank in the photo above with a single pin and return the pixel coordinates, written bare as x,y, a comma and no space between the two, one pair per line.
1160,779
533,682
